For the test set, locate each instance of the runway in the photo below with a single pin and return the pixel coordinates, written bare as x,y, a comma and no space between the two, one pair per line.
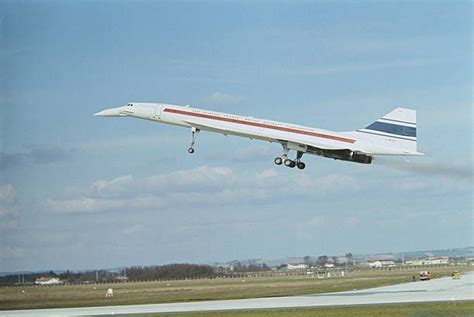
443,289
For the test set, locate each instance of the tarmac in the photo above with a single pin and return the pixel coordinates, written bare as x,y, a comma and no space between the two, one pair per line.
442,289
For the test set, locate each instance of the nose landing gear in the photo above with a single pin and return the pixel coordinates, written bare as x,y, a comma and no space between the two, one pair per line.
194,133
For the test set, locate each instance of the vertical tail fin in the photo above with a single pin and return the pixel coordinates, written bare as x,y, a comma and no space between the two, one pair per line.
396,130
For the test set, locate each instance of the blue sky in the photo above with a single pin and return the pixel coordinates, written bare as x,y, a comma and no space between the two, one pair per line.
77,191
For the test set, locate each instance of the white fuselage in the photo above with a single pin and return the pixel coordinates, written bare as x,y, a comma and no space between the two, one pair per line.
244,126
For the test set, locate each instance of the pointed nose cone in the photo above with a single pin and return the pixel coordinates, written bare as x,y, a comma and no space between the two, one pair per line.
112,112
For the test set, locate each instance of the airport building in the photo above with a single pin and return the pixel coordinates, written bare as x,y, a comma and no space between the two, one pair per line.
380,263
433,260
298,266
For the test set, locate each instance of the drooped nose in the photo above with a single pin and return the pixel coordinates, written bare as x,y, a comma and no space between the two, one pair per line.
112,112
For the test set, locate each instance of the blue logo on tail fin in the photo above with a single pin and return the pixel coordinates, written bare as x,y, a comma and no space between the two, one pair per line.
391,128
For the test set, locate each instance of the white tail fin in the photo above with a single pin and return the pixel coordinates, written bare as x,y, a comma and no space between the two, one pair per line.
396,131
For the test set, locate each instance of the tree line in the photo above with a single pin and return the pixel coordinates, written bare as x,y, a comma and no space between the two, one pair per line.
134,273
169,271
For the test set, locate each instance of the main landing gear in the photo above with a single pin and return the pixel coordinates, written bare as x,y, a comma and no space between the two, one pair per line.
194,133
288,162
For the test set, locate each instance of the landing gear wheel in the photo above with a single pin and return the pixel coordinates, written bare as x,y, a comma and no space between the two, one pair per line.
190,150
301,165
289,163
278,161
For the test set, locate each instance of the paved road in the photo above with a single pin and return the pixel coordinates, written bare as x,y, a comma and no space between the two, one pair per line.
443,289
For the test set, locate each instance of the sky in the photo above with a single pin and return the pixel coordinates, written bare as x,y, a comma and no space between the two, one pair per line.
84,192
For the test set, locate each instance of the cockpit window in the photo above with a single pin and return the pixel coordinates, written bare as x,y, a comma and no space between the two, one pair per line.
130,105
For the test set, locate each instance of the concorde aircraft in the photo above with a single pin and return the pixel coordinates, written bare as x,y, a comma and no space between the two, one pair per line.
393,134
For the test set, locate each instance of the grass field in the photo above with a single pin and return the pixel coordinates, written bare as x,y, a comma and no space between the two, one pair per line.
17,297
444,309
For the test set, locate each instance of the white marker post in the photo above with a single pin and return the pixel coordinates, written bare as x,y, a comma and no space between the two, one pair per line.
109,293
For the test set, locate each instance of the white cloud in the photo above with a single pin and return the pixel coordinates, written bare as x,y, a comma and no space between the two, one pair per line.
352,222
7,194
268,173
8,209
334,182
307,228
83,204
35,155
201,186
129,141
114,187
410,184
197,179
253,152
133,229
362,67
7,223
11,252
223,99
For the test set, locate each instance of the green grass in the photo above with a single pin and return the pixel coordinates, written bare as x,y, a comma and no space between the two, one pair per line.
444,309
196,290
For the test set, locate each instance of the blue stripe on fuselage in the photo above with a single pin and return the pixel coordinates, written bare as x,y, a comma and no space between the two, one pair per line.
393,129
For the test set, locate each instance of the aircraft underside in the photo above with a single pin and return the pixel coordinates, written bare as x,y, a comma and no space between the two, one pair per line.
344,155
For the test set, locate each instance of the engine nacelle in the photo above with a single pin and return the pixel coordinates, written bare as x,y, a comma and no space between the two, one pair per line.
360,158
345,155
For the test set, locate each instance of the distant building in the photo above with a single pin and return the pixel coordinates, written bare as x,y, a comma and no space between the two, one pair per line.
432,260
380,263
342,260
299,266
439,259
329,265
46,280
225,268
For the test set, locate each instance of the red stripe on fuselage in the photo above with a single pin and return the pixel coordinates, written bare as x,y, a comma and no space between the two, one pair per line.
260,125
